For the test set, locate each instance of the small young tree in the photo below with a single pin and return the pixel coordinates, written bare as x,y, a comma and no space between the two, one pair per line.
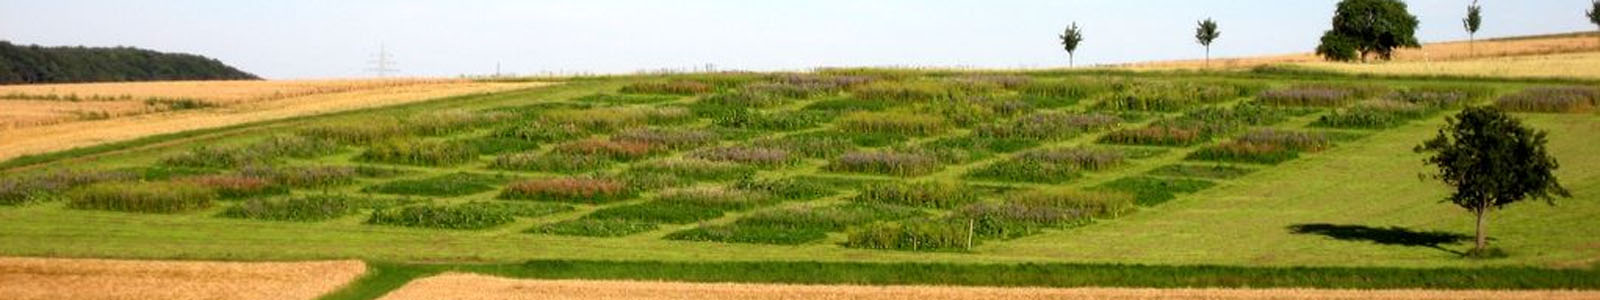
1205,33
1471,23
1492,160
1069,41
1370,27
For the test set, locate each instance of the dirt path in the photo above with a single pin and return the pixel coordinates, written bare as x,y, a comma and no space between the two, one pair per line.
41,139
469,286
55,278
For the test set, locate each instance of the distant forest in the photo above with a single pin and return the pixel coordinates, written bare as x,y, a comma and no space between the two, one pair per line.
22,64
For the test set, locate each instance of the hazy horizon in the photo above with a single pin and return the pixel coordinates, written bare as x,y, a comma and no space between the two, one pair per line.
322,39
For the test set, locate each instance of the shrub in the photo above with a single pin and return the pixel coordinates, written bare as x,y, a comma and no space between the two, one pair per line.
625,99
677,87
756,156
571,190
893,122
442,216
238,187
1553,99
695,169
448,185
885,162
786,188
809,145
554,162
23,189
310,208
422,153
608,149
918,194
913,235
676,139
143,197
1202,171
595,227
1048,126
317,176
1150,191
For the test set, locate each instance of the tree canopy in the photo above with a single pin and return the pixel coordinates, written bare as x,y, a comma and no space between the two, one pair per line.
36,64
1492,160
1206,32
1363,28
1070,39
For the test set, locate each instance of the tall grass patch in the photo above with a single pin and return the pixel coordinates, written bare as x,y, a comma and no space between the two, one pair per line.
609,149
1210,171
238,187
306,208
886,163
1376,114
675,139
913,235
918,194
1149,191
1029,212
608,119
893,122
1170,96
674,87
448,185
695,169
1265,146
1062,92
595,227
1319,95
626,99
1048,126
809,145
47,186
141,197
583,190
749,155
770,121
419,152
304,176
792,188
1049,165
1551,99
553,162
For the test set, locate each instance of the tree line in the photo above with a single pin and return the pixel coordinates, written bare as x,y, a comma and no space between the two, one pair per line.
24,64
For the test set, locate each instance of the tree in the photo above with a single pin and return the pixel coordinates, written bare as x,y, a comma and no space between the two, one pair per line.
1492,160
1370,27
1471,23
1594,13
1069,41
1205,33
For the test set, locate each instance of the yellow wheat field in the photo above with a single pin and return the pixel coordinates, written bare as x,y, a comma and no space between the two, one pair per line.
31,105
57,278
468,286
19,141
1520,55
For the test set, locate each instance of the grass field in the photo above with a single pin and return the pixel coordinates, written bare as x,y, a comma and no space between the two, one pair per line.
1220,174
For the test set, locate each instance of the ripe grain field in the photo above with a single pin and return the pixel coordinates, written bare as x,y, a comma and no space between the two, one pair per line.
68,278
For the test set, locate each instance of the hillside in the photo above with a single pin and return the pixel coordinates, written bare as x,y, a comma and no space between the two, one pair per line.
25,64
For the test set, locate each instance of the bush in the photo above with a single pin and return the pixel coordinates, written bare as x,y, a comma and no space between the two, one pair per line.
695,169
913,235
595,227
238,187
571,190
1202,171
677,87
756,156
553,162
1048,126
886,162
142,197
309,208
1554,99
449,185
1149,191
893,122
918,194
422,153
23,189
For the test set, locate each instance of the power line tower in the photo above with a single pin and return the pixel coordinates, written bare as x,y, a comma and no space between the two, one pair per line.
382,62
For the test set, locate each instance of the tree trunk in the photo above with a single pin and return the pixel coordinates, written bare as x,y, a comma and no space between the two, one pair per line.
1208,56
1070,58
1482,235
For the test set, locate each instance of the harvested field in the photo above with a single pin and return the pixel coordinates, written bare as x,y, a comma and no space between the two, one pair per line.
1520,56
53,278
66,135
469,286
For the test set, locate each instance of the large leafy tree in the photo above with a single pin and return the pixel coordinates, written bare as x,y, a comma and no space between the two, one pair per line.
1206,32
1069,41
1368,27
1492,160
1471,23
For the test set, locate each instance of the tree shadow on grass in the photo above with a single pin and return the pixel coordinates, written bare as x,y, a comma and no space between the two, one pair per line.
1393,235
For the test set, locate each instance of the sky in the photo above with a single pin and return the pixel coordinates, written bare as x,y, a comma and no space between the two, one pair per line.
295,39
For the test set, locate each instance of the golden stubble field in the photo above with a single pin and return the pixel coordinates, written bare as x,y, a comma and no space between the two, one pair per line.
1565,55
59,278
469,286
39,126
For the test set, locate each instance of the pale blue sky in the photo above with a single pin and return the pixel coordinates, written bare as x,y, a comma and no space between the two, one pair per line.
317,39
